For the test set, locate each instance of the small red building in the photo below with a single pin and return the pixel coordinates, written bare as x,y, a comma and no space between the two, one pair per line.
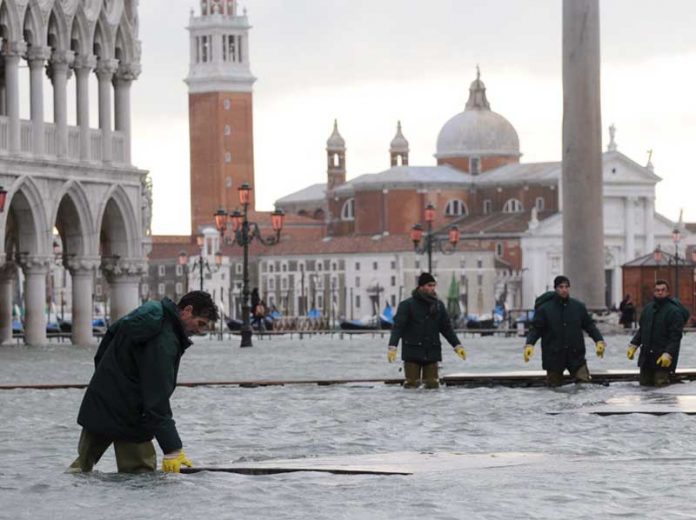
640,275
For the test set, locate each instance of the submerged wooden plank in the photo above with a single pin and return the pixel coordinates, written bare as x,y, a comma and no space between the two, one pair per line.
650,404
395,463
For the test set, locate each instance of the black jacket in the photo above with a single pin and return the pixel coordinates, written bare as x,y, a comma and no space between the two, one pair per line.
135,374
560,325
418,322
660,330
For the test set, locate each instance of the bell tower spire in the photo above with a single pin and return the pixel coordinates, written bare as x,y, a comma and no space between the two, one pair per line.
220,86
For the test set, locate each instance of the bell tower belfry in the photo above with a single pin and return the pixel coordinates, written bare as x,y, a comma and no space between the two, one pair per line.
220,86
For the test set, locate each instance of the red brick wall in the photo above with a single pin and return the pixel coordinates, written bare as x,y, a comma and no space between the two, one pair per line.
209,171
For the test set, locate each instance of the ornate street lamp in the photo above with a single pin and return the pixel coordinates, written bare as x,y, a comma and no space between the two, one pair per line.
3,198
430,240
244,233
676,238
200,263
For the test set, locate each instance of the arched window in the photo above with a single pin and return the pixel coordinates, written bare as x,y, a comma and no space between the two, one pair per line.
348,210
456,208
539,203
513,206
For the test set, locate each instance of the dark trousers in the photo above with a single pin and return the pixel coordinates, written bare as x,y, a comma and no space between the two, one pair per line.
415,372
653,375
131,457
581,375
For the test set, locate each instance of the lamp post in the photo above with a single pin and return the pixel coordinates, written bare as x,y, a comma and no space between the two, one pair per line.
676,238
200,263
245,233
430,240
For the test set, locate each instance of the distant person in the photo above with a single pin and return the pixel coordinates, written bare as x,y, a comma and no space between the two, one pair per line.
259,316
418,323
659,335
559,321
127,401
628,312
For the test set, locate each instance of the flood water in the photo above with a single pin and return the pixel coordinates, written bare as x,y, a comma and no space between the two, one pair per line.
630,466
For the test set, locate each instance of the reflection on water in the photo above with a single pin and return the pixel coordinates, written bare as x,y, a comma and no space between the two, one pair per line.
613,467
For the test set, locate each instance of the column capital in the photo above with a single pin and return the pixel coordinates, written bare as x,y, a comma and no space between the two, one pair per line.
115,268
36,56
78,265
128,72
35,264
7,271
85,62
106,68
61,59
15,50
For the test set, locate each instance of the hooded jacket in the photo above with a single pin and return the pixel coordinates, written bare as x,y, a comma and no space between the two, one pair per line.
560,325
660,330
136,367
418,322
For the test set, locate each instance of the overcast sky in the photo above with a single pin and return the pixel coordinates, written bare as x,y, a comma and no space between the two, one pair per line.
369,63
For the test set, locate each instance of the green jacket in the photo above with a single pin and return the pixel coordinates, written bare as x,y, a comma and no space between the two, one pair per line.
418,322
136,366
660,330
560,325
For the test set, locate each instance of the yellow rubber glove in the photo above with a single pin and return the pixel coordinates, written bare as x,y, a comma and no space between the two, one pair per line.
172,462
664,361
391,355
528,352
460,351
600,347
631,352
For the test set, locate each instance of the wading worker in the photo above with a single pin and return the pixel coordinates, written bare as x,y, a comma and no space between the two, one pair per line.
559,321
659,337
418,323
127,401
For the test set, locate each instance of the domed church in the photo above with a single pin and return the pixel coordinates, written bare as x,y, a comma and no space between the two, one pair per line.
500,206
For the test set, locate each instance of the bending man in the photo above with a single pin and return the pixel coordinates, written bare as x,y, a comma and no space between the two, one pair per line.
127,401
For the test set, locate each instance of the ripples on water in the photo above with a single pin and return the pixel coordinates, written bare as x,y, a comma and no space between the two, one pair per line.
633,466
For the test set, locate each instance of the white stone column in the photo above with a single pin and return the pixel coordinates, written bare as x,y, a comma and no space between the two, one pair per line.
583,230
82,273
124,282
83,68
59,72
629,229
12,58
35,270
37,57
122,91
105,73
649,213
7,272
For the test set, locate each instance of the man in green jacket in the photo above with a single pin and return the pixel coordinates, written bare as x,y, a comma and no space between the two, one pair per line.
659,337
127,401
559,321
418,322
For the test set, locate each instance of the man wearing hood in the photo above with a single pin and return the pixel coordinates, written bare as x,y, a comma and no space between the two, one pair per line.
418,322
659,337
559,321
127,401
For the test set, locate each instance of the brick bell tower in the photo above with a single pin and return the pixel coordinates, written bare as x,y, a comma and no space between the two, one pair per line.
220,86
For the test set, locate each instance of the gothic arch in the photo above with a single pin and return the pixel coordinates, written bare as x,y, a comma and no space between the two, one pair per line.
124,48
117,225
73,218
57,33
27,210
9,21
80,40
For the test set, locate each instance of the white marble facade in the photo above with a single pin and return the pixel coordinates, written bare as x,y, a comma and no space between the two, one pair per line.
631,228
74,198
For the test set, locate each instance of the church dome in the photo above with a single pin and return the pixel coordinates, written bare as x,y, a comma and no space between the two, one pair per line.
478,131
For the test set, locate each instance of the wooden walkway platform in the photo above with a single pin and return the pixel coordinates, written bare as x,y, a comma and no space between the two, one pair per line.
522,378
